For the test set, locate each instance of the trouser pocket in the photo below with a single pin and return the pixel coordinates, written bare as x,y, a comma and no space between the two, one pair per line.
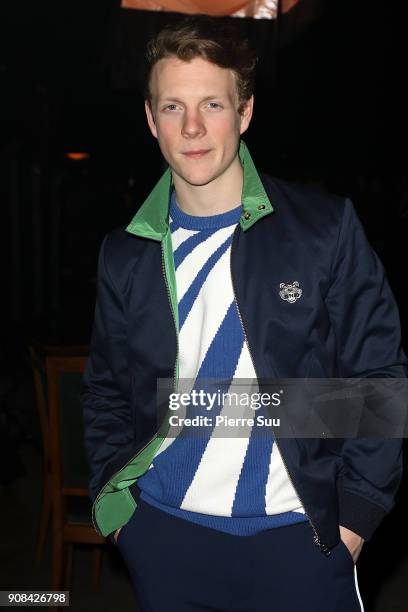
346,553
125,527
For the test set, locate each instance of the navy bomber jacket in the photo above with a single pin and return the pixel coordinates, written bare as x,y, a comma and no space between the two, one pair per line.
345,325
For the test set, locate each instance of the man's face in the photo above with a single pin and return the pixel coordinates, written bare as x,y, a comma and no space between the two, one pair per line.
194,116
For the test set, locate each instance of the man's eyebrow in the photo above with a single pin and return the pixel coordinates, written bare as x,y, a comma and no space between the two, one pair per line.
172,99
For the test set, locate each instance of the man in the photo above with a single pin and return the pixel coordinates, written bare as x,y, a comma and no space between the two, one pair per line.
226,274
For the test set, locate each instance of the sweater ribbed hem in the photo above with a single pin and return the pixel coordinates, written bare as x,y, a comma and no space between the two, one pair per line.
234,525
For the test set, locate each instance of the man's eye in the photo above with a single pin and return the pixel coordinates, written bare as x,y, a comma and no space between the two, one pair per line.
214,105
170,107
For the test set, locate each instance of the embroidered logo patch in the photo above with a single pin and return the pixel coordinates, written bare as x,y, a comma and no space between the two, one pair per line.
290,293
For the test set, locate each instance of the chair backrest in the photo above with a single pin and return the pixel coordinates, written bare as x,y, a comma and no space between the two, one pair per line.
61,350
38,354
68,462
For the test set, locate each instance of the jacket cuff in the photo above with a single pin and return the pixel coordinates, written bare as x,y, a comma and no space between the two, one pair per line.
359,514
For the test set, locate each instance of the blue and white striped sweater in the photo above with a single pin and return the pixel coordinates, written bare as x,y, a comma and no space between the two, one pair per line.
234,484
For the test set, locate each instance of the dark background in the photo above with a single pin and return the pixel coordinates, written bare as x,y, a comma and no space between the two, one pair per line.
330,104
330,109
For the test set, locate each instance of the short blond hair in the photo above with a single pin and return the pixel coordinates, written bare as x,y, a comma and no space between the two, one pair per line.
211,38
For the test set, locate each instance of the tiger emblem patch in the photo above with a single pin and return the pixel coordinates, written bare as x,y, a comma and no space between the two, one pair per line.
290,293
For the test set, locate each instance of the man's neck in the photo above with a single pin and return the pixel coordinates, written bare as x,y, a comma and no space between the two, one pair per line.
219,196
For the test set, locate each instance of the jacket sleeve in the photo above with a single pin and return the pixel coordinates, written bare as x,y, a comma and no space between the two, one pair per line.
108,429
366,324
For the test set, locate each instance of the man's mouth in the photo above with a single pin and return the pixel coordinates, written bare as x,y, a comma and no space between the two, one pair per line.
196,154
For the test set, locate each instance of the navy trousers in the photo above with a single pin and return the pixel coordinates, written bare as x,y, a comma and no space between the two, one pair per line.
179,566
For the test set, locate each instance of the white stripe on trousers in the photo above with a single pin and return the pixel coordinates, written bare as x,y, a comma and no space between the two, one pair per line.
357,589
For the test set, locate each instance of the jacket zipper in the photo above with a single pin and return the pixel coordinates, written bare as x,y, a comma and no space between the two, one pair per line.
174,380
173,313
316,538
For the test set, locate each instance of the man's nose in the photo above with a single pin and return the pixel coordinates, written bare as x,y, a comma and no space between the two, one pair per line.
193,124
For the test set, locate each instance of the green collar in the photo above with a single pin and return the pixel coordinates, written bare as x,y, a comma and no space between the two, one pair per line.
151,220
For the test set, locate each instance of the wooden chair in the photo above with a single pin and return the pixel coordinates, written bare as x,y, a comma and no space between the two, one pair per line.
65,489
38,353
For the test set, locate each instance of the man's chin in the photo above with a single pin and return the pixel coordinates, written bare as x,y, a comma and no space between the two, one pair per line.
197,180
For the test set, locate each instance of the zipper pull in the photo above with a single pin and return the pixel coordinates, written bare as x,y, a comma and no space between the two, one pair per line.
323,548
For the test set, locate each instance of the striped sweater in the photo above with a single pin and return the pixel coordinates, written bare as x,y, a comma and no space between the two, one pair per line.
234,483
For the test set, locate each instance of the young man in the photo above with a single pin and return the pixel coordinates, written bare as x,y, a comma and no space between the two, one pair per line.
225,274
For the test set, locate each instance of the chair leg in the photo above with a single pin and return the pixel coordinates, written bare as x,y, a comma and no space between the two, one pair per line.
44,518
61,567
68,567
97,555
57,561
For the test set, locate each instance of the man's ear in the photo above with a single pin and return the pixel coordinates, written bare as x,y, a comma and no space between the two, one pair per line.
150,118
246,114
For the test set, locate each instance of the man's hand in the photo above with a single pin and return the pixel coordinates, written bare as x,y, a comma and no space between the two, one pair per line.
115,535
353,542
